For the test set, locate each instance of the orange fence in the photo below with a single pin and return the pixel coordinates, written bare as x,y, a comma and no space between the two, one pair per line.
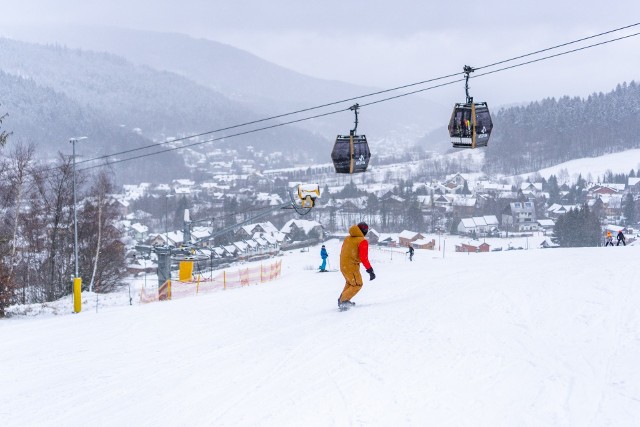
224,280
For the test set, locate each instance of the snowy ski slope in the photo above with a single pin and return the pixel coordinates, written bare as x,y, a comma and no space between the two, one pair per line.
515,338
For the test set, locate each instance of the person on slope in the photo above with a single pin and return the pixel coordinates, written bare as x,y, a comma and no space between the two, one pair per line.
410,252
355,250
324,255
620,238
609,239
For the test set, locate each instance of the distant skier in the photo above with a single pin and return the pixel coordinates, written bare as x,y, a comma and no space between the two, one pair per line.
609,239
355,250
410,252
324,255
620,238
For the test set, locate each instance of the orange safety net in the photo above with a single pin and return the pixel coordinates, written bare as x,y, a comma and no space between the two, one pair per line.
224,280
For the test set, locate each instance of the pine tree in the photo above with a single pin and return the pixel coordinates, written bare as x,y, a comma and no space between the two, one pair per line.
629,209
553,189
577,228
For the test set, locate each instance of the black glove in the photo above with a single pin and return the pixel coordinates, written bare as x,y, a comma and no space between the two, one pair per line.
371,273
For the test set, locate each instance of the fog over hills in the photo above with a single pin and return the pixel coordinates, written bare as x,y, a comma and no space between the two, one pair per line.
172,85
256,83
52,91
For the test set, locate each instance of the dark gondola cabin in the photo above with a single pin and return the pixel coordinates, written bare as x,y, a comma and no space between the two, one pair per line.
351,152
470,125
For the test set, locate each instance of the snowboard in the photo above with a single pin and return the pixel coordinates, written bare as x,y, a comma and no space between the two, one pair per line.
346,307
327,271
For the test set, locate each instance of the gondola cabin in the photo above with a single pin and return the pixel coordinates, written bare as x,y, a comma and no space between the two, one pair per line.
470,125
351,152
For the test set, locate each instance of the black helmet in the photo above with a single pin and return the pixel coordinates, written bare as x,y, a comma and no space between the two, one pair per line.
363,227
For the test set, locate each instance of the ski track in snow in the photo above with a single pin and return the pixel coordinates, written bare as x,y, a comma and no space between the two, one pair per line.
526,338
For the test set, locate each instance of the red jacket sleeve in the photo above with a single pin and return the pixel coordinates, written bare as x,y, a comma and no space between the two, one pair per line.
363,251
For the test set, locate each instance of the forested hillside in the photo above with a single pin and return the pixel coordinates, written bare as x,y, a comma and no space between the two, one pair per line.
161,104
47,118
553,131
249,80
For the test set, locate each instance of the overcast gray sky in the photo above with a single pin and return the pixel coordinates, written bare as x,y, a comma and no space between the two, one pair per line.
389,43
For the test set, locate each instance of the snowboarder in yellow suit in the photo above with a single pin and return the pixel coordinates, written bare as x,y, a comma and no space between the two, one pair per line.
355,249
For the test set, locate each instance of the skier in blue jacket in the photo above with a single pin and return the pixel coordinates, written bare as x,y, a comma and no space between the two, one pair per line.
324,255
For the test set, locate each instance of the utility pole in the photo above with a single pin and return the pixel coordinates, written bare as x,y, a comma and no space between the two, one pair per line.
77,280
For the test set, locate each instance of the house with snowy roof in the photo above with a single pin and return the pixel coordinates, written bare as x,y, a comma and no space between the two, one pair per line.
424,244
407,236
531,189
301,229
546,224
248,231
478,224
465,247
633,185
521,216
139,232
556,210
463,206
386,239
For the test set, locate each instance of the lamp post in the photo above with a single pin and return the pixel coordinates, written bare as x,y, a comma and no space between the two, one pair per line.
77,281
166,216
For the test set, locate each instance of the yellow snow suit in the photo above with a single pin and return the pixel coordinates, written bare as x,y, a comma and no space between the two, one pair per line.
350,263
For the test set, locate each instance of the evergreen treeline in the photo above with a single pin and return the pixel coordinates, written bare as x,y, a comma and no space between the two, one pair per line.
552,131
577,228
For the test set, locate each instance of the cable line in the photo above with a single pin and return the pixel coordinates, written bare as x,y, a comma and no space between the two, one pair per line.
377,93
366,104
108,163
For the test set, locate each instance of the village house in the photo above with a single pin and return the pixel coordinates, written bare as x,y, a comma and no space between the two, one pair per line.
633,185
531,189
556,210
248,231
300,230
424,244
387,240
407,237
443,202
373,236
484,247
463,206
520,216
122,206
139,232
480,225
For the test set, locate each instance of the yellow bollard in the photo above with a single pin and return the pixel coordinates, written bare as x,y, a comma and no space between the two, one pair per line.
186,271
77,294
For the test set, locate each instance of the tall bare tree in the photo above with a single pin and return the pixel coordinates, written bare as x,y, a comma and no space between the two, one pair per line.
19,160
100,241
4,135
56,192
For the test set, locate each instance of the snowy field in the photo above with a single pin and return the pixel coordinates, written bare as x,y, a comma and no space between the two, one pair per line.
617,163
543,337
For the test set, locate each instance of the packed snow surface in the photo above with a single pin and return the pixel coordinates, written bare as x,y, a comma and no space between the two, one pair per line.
618,163
539,337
